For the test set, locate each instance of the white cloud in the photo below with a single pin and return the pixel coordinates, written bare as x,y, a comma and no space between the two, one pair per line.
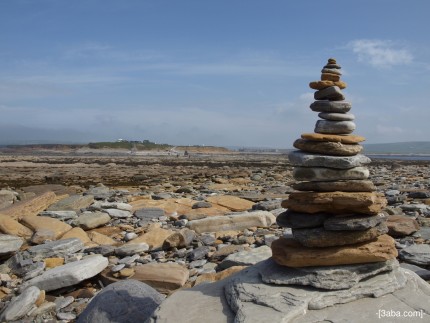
380,53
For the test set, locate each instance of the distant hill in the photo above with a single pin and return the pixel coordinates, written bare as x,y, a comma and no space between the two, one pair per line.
401,148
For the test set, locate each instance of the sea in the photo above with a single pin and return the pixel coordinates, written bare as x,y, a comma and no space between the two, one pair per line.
399,157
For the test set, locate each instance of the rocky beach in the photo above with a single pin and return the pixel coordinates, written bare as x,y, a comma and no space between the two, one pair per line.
321,234
169,222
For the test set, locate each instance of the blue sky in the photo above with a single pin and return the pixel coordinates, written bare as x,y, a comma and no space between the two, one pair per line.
232,73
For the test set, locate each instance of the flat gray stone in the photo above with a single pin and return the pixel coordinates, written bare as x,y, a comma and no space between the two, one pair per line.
186,305
56,248
21,305
131,249
331,106
334,127
254,301
61,215
418,254
124,301
69,274
112,205
329,174
88,221
344,186
9,244
353,222
246,258
336,116
296,220
72,203
300,158
332,93
116,213
325,277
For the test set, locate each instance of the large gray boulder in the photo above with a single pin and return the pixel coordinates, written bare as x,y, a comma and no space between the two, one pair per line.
245,298
128,301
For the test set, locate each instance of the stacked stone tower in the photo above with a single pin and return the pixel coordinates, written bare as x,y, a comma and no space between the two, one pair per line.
335,212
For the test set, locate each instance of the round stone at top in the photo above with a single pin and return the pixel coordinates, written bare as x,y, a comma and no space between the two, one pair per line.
331,106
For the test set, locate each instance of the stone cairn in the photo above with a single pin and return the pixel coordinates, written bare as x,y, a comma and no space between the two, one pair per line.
335,212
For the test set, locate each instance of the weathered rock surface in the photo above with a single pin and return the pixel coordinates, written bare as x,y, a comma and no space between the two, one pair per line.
321,238
345,139
353,222
92,220
299,158
69,274
10,226
35,223
344,186
400,226
296,220
238,221
329,174
246,258
154,238
21,305
325,277
9,244
180,239
31,207
336,202
163,277
288,252
72,203
418,254
328,147
332,93
56,248
231,202
123,301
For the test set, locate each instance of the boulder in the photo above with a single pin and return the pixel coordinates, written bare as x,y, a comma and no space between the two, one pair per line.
123,301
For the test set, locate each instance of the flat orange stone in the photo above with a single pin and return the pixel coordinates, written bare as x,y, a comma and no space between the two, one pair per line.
319,85
345,139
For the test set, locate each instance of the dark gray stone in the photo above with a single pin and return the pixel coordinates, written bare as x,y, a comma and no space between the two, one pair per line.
423,273
331,106
103,250
332,93
334,127
353,222
198,253
295,220
325,277
418,254
127,301
201,205
419,195
320,238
